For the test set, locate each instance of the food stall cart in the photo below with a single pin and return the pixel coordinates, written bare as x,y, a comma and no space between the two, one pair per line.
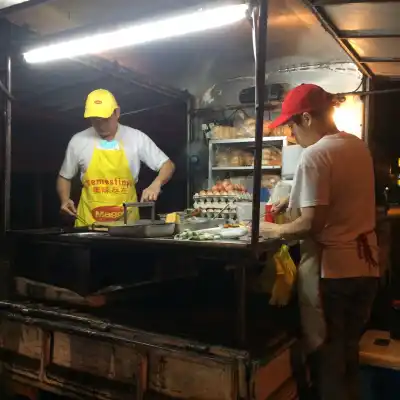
163,333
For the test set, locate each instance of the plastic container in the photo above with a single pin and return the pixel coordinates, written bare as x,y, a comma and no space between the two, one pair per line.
264,195
280,192
268,216
244,211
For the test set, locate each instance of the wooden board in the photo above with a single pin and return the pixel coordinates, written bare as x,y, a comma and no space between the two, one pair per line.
185,377
94,357
377,355
270,377
21,339
85,366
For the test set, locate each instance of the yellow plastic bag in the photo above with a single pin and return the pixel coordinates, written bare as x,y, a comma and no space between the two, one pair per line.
277,278
285,270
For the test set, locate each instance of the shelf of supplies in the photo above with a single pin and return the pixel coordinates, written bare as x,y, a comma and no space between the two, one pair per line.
271,106
248,140
264,167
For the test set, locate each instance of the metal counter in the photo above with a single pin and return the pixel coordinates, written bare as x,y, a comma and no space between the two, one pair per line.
84,262
103,238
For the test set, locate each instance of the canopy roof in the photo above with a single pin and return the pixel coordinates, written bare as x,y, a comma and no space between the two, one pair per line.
158,72
369,31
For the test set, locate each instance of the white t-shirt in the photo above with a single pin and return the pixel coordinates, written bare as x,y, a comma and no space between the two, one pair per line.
337,172
138,148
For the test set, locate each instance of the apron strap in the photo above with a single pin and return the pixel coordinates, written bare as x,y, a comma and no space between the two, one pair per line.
364,249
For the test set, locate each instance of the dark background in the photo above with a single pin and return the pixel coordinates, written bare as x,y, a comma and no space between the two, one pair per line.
384,140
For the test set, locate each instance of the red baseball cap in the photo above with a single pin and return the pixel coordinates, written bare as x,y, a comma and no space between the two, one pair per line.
303,98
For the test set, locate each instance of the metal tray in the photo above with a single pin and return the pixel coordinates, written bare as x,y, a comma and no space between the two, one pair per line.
85,234
143,229
199,224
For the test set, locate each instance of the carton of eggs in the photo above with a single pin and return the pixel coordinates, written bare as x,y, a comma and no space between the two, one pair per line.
221,196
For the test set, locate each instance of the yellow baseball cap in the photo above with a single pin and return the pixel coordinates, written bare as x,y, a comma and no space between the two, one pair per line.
100,104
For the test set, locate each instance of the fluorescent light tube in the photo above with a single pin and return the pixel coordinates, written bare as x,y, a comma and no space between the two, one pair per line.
201,20
10,3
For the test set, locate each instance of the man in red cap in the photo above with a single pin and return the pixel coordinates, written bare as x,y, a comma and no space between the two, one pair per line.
334,202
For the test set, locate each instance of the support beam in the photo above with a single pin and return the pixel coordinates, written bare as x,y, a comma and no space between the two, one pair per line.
369,92
189,141
380,60
328,25
345,35
6,151
367,112
119,72
260,21
146,109
321,3
5,90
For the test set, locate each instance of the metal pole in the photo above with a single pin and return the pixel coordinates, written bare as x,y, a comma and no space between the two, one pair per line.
369,92
7,151
189,138
260,18
367,117
241,291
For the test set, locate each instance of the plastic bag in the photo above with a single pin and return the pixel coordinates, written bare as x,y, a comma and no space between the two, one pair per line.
280,192
285,277
277,278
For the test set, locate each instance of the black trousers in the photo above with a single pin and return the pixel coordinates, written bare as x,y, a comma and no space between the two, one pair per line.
347,306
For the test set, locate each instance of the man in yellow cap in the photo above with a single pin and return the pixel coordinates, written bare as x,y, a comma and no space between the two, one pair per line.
108,156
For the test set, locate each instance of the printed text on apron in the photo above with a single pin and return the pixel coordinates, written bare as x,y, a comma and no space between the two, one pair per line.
107,184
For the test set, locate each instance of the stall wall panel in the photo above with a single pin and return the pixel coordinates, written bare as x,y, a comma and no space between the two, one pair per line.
381,16
376,47
21,347
181,376
391,69
95,357
22,339
72,364
174,374
333,77
271,376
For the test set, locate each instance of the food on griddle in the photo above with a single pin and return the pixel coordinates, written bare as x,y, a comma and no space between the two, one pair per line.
233,225
193,235
173,218
226,226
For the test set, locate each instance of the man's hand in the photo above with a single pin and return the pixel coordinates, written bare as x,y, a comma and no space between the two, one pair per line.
270,231
151,193
68,207
280,206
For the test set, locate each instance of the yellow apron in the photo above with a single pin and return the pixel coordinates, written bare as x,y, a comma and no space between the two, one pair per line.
107,184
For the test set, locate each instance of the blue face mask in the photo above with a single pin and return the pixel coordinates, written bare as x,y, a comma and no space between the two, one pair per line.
109,145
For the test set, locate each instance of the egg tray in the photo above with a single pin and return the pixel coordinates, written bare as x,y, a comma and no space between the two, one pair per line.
222,198
215,209
227,215
213,203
